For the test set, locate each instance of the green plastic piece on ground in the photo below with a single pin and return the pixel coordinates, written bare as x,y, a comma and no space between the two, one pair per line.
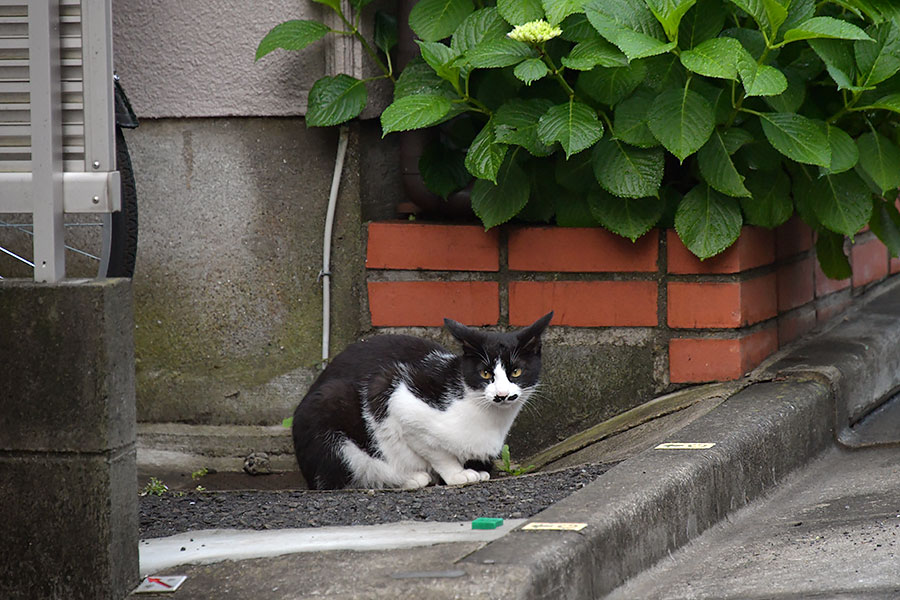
486,523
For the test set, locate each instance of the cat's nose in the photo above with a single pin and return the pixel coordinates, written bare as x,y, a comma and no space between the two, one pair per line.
505,397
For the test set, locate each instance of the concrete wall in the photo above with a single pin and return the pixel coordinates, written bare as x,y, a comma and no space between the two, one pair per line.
227,295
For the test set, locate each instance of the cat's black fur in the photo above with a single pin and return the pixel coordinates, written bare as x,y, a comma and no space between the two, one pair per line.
357,395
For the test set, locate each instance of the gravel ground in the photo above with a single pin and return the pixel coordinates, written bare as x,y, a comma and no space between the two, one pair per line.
507,497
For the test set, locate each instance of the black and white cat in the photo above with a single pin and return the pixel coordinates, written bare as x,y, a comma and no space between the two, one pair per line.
400,411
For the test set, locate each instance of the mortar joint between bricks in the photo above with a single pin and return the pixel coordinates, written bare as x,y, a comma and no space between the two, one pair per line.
503,276
721,333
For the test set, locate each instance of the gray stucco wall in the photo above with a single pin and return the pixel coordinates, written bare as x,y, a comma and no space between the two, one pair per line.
196,59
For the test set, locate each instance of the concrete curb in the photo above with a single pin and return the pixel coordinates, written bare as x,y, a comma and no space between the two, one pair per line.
659,500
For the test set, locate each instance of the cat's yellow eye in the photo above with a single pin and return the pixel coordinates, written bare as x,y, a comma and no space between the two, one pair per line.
517,372
485,374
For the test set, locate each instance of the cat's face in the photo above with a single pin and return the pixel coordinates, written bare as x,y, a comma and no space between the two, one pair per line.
504,367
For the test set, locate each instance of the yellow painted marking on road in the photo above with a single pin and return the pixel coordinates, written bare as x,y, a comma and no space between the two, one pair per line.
554,526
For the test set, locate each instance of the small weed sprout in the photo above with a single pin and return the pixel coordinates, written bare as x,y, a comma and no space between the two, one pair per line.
154,487
199,473
511,468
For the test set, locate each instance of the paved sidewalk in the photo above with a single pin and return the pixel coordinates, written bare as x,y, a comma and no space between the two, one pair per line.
637,513
832,530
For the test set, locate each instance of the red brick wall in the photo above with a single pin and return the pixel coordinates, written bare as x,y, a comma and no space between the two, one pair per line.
720,318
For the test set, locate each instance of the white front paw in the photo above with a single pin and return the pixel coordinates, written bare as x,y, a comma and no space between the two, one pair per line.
417,480
483,475
464,476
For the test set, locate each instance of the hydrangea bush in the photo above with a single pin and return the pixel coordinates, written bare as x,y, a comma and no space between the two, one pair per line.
702,114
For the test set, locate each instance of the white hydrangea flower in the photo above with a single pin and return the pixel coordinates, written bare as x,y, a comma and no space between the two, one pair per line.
535,32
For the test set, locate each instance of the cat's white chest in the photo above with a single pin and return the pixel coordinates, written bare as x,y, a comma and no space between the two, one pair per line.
468,428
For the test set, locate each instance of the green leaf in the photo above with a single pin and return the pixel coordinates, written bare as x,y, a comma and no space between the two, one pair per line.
760,80
628,217
797,137
880,60
587,55
530,70
630,119
573,124
577,28
439,57
669,14
496,204
682,120
714,58
609,85
708,222
663,71
880,159
483,24
287,422
791,99
519,12
717,168
576,175
443,169
802,194
752,40
557,10
334,100
385,31
414,112
798,12
885,223
419,78
516,122
291,35
890,102
825,27
627,171
629,25
703,22
574,212
544,190
433,20
830,252
839,61
735,138
485,155
768,14
843,202
844,153
770,204
499,52
335,5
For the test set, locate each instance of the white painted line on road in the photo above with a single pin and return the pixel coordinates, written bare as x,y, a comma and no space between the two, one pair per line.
215,545
686,446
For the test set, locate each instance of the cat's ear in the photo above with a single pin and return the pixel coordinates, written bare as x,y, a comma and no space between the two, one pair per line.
471,339
530,337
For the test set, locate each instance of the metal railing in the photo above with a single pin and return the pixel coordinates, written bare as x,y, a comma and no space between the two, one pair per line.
57,127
